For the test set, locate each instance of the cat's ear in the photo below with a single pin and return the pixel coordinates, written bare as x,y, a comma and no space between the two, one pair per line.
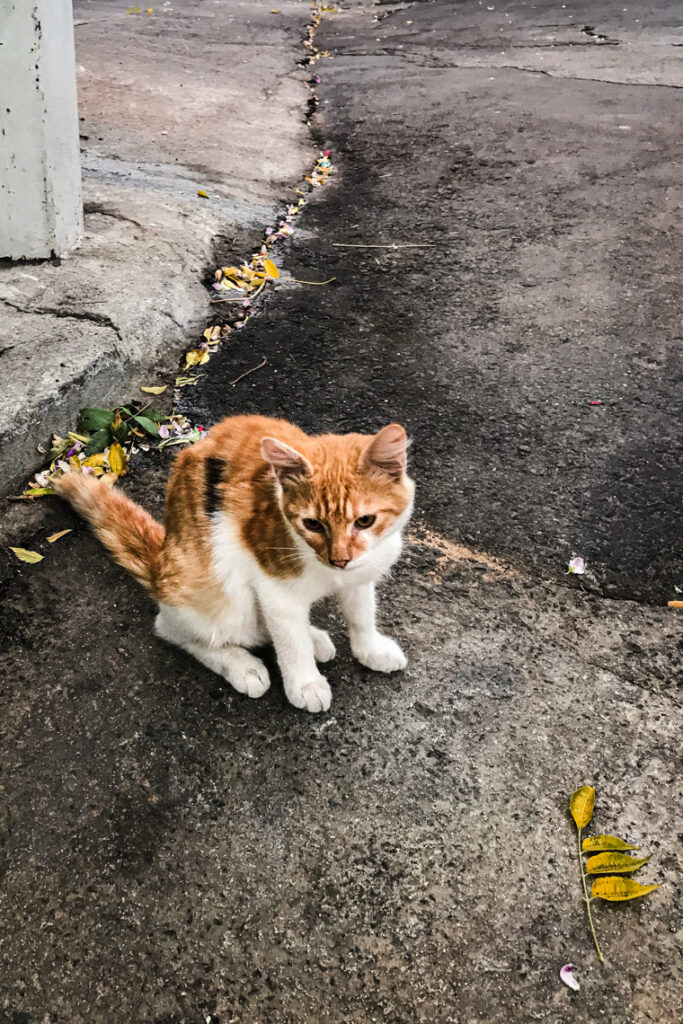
387,451
286,462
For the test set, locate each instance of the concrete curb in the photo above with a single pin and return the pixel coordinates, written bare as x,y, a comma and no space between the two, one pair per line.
164,114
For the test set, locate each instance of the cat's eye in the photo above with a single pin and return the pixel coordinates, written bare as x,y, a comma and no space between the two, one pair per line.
363,522
314,525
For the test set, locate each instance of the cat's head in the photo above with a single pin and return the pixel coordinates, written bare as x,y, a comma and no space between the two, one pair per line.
343,494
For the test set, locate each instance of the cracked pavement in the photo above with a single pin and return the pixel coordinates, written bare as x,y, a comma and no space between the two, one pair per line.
158,102
173,853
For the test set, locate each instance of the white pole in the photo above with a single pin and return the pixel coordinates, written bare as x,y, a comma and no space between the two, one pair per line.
41,210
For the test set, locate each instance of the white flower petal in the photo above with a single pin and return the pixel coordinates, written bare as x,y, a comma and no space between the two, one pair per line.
567,976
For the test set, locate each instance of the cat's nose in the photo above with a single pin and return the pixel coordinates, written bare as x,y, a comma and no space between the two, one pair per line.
341,563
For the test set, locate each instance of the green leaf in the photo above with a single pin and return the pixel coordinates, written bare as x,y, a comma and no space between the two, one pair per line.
605,863
122,432
59,449
91,420
98,442
616,889
156,416
595,844
581,804
147,425
27,556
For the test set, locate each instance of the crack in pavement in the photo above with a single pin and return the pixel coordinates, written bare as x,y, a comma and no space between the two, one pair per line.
64,314
436,64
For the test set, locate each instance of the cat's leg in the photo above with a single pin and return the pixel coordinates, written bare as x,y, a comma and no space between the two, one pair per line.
287,621
323,648
245,672
369,646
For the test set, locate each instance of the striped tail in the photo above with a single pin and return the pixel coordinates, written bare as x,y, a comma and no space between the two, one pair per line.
133,537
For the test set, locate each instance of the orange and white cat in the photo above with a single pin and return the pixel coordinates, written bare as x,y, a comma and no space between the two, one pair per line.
263,520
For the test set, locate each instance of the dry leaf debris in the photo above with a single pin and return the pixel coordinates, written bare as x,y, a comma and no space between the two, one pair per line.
102,445
243,284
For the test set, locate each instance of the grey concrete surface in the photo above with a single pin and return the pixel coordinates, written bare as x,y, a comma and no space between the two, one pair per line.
41,204
199,95
172,853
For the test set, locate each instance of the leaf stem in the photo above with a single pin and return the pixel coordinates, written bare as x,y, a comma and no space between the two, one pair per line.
588,901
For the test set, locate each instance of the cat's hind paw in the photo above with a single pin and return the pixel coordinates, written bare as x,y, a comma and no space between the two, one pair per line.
314,696
380,653
323,648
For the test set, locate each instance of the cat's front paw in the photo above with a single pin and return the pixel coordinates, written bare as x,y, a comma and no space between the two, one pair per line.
314,695
323,648
380,653
247,673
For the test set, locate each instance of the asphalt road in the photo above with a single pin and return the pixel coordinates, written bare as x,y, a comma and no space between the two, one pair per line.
549,279
173,853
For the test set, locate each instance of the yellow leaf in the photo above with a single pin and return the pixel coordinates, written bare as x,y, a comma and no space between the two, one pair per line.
193,357
270,268
27,556
79,437
55,536
159,390
36,492
593,844
617,889
605,863
75,463
96,461
117,459
581,804
231,271
202,193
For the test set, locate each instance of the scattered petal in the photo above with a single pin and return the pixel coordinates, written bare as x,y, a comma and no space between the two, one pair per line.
27,556
576,566
163,430
55,536
567,976
596,401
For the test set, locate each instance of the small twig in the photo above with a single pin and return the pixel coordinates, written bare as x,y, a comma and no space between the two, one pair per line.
259,289
588,903
133,414
393,245
214,301
297,281
247,372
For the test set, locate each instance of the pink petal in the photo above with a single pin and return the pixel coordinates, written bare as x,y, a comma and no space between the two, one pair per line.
567,976
163,430
576,565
